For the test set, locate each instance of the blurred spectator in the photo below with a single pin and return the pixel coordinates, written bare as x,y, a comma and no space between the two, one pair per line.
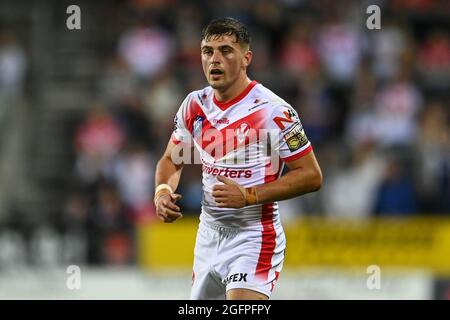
146,48
117,82
241,10
262,67
313,103
350,190
397,105
98,139
132,118
113,228
76,228
162,99
298,54
388,47
433,150
12,65
267,19
340,49
188,27
133,170
76,213
360,124
434,60
396,194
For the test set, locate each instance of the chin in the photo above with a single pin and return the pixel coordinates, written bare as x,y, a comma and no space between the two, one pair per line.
217,85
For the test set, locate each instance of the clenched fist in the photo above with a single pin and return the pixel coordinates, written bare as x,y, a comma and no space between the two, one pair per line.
233,195
166,209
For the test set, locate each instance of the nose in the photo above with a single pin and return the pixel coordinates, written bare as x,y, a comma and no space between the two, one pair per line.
215,58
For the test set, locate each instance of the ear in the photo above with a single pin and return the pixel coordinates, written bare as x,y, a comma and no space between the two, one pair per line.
247,59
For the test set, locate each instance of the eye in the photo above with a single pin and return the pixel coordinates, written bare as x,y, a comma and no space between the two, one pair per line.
207,51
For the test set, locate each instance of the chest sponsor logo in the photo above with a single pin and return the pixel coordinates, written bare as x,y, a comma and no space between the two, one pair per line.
227,172
221,121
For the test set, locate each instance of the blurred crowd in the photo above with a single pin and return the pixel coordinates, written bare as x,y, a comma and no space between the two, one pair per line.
13,65
374,104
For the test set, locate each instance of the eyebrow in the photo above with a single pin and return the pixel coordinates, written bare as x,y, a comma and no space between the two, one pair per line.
220,47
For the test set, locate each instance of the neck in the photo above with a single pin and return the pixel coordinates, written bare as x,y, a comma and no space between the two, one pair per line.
227,94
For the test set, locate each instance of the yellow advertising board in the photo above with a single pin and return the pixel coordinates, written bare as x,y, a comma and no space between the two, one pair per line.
410,242
167,245
406,242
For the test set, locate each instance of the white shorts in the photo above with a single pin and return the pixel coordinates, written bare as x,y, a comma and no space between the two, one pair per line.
228,258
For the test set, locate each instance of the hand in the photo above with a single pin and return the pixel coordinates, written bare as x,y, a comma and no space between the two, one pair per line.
166,209
230,194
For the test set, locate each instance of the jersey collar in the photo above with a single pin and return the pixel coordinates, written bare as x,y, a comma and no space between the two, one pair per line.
227,104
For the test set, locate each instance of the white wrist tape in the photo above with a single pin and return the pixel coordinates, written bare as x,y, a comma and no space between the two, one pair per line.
163,186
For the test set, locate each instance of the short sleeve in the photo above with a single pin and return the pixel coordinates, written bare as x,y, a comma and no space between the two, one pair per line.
180,132
291,140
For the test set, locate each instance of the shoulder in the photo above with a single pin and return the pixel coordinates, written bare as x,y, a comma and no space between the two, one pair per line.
280,115
268,95
272,100
198,96
194,105
274,104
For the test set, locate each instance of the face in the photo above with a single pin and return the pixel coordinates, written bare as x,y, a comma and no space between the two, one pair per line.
224,61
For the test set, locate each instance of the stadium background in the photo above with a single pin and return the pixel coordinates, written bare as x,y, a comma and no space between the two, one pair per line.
85,114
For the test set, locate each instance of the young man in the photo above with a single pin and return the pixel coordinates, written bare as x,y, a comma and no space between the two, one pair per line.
241,129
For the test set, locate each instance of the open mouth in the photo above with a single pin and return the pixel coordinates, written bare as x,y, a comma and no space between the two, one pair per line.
215,72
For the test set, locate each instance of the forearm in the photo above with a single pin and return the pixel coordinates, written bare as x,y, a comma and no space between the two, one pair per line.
168,173
293,184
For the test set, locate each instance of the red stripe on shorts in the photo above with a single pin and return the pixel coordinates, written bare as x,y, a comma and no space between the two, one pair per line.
268,242
268,234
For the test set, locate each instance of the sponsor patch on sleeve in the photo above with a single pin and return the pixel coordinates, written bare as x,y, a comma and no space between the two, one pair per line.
296,137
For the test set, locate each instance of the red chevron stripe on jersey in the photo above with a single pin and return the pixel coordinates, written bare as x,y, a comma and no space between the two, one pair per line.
226,139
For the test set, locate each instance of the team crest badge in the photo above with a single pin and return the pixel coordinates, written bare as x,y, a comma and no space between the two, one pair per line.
296,137
293,143
242,132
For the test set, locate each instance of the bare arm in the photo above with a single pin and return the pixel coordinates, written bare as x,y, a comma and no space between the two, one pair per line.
304,176
168,172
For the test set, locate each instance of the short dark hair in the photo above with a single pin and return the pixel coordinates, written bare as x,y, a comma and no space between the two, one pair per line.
227,26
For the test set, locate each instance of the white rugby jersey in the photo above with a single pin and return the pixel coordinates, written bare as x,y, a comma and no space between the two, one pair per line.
247,140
